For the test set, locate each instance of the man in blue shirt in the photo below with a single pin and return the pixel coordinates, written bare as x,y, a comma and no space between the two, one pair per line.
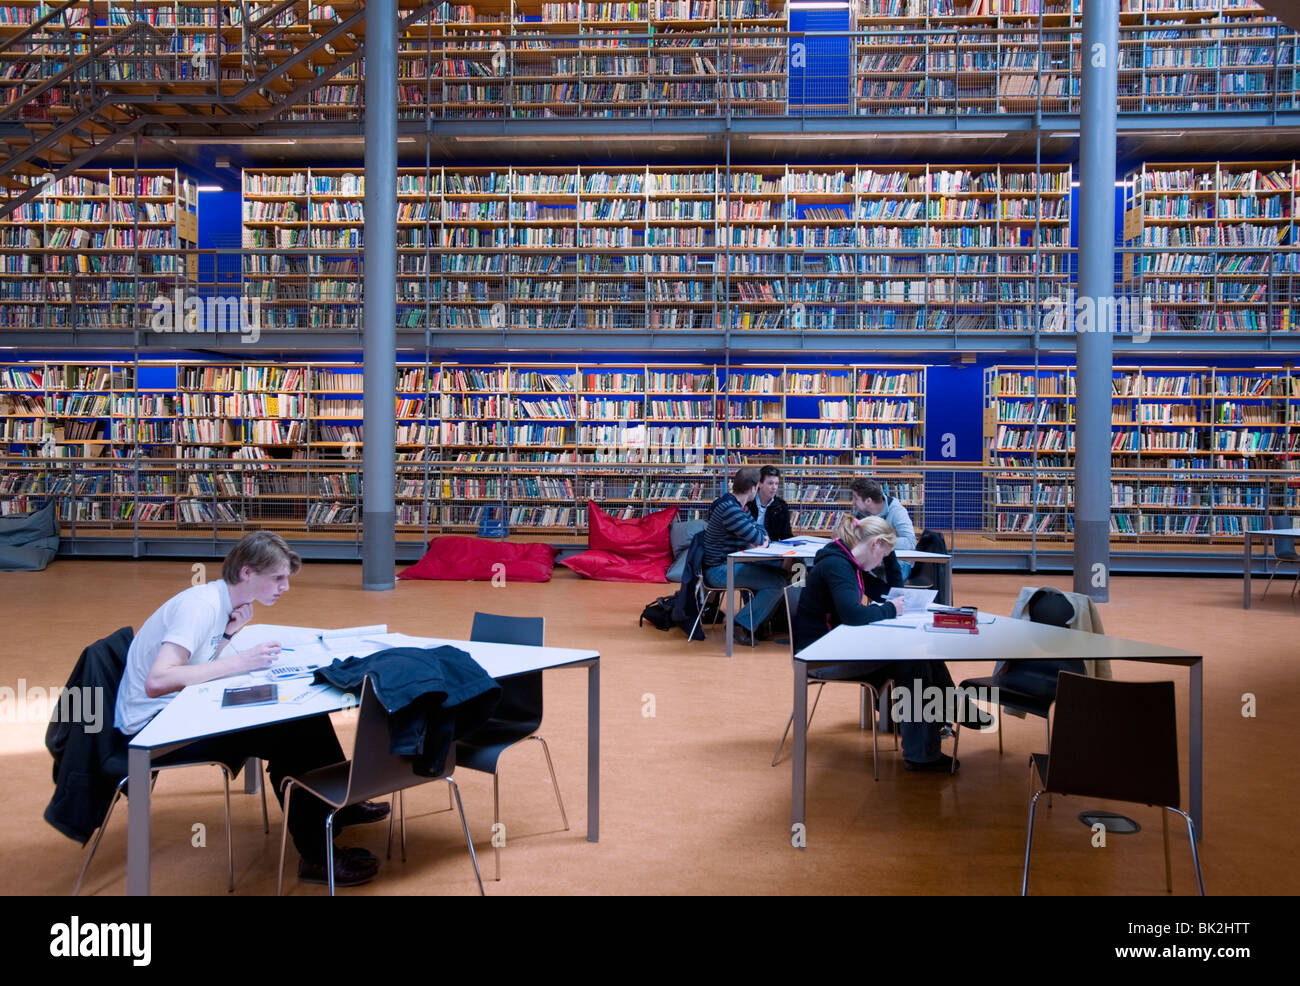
731,528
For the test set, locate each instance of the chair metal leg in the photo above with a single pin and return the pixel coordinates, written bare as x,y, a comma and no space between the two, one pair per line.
329,850
392,814
76,887
468,840
401,810
564,816
266,818
496,821
956,743
1000,736
1196,856
230,845
1269,583
1169,869
1029,845
284,834
776,757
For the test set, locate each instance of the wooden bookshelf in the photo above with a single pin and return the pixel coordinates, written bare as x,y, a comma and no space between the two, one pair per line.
1168,421
674,249
95,249
179,445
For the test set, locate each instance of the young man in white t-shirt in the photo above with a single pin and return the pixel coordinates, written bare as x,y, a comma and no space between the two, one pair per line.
187,641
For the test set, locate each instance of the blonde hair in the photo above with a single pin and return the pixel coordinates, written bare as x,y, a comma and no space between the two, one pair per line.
851,532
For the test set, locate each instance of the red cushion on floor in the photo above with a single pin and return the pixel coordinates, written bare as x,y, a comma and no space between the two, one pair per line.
645,537
609,567
625,550
459,559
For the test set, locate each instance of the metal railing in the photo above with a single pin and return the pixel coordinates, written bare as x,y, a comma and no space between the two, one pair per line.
1200,67
166,293
976,507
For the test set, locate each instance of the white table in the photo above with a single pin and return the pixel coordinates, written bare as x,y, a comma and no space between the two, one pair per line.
1282,532
1000,640
196,713
779,551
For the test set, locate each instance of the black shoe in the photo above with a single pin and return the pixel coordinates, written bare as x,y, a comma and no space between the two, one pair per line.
943,764
742,636
698,634
350,869
362,813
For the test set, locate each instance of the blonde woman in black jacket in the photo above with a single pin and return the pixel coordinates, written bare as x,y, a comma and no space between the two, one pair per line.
841,588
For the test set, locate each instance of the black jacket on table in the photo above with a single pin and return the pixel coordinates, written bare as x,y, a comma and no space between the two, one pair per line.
833,594
776,521
433,695
89,765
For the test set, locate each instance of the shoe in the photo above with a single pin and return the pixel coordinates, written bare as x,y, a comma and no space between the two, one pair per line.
742,636
362,813
943,764
350,869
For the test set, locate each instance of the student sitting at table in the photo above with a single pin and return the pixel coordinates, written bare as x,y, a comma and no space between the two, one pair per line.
870,500
731,528
185,643
841,588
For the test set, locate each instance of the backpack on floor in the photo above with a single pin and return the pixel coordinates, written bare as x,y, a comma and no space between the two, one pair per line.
659,614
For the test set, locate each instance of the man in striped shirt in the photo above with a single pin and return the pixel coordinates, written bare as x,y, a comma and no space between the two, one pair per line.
731,528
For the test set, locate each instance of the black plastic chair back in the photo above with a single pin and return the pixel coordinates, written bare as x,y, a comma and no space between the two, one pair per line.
521,694
1284,548
1115,740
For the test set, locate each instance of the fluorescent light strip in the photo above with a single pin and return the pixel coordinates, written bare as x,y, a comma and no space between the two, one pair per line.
211,188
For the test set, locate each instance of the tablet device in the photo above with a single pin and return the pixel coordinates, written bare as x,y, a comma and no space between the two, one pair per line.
253,695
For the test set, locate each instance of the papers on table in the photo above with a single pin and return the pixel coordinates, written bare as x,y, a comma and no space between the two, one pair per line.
915,602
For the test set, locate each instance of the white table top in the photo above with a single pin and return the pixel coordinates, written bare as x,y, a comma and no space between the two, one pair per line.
196,711
1000,638
781,549
1286,532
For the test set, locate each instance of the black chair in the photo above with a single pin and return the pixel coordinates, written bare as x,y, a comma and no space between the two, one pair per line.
373,771
1284,553
792,594
116,767
516,717
711,595
1115,740
1028,687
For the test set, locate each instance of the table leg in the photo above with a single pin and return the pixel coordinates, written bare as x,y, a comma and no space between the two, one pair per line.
947,581
1245,575
593,752
137,822
1195,766
731,595
252,775
799,758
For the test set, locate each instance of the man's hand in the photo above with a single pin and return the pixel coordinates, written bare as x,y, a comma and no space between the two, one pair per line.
256,658
239,618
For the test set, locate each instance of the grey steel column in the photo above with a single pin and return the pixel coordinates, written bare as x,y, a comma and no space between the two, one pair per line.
1100,57
378,549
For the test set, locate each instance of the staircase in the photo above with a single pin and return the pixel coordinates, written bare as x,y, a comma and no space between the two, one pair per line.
73,89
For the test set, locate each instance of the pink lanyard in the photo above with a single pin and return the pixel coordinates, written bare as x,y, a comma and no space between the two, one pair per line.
857,570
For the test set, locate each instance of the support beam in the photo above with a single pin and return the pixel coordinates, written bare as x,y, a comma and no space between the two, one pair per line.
380,309
1100,57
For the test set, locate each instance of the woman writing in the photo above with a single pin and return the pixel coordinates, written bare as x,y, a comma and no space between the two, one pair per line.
841,588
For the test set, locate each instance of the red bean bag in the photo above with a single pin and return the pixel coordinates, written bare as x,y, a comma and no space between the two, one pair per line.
469,559
625,550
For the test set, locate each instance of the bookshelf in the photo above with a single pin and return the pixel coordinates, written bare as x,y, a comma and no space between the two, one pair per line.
95,249
1213,245
1168,425
183,445
770,248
